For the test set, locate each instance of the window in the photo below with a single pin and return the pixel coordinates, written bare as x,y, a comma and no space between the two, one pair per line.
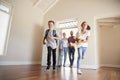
68,24
4,26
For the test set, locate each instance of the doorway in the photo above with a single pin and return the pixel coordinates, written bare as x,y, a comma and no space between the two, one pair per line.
67,31
109,41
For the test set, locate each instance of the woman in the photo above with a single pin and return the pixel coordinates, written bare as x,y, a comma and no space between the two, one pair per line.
83,36
63,49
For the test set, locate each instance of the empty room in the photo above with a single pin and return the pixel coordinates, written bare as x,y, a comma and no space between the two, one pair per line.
59,39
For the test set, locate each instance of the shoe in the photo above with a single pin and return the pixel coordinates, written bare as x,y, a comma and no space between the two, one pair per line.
82,57
71,66
48,68
63,65
60,66
53,68
79,71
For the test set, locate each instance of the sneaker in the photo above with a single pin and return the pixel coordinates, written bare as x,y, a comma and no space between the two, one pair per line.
53,68
82,57
48,68
79,71
60,66
70,66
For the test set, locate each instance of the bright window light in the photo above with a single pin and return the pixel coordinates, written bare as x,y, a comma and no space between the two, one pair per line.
4,26
4,8
68,24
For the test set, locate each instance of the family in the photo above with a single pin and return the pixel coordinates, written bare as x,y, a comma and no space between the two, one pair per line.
66,45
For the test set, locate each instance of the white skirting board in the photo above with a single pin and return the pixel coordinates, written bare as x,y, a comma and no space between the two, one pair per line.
89,66
109,65
29,63
17,63
37,62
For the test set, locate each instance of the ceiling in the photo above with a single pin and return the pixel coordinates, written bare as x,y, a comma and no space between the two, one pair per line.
44,5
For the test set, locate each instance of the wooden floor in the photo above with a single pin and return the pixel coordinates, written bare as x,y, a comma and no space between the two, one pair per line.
35,72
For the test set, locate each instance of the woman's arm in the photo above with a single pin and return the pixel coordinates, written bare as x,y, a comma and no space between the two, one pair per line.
86,40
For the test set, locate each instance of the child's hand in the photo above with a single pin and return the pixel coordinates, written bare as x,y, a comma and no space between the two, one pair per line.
51,37
72,44
44,42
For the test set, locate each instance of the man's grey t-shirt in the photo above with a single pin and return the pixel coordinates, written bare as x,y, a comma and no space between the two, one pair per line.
51,42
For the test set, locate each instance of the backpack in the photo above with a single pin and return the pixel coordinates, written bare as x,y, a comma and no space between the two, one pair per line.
54,33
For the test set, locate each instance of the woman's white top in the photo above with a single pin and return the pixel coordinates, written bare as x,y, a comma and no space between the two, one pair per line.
65,43
83,37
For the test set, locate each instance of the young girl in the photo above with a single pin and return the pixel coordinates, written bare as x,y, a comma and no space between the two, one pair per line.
82,38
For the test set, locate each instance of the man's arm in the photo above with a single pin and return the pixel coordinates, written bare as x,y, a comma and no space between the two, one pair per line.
45,36
44,40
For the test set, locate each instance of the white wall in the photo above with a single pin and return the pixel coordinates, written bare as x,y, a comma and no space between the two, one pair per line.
83,10
24,45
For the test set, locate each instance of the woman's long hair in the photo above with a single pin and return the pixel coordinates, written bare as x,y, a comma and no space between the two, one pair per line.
88,27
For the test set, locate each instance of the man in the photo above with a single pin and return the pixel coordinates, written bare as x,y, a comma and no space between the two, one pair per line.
71,40
51,38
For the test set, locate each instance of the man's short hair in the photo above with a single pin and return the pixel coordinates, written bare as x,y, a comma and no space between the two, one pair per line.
51,21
